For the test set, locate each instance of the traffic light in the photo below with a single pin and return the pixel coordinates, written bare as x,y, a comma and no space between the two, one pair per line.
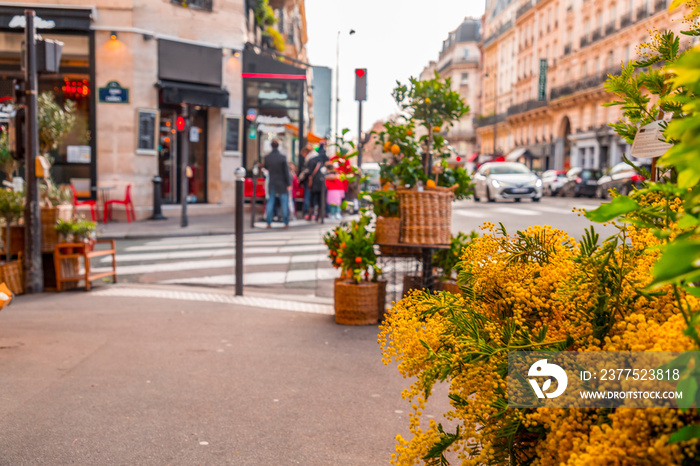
180,123
360,84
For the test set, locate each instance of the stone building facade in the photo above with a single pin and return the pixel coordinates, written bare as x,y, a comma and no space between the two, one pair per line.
133,67
545,63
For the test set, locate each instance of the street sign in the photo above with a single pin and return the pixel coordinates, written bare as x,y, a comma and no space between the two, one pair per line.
542,84
113,93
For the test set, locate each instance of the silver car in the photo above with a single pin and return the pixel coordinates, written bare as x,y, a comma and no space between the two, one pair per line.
506,180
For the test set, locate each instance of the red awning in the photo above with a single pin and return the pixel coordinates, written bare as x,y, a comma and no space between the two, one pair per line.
473,157
310,137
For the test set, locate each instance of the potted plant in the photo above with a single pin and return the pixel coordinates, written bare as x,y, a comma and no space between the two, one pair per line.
84,232
448,260
11,209
417,163
359,296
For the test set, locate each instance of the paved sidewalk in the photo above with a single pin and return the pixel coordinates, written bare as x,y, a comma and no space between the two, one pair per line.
89,378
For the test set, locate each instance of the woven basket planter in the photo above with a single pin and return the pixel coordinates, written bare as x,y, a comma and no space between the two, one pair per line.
357,304
450,286
388,231
426,216
11,274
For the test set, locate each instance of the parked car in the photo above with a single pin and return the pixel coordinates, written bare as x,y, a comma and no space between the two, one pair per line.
506,180
622,177
581,182
552,181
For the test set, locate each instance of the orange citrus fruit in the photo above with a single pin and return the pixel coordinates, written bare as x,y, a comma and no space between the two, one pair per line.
387,146
358,260
430,184
436,129
409,132
427,100
395,149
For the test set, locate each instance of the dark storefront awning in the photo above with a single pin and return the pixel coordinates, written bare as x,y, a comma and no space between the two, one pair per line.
193,94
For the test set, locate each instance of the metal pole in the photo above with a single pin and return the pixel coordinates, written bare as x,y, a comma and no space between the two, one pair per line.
359,134
185,151
33,270
157,199
337,89
495,113
240,181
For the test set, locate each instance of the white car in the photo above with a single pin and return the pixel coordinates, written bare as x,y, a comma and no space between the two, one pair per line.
506,180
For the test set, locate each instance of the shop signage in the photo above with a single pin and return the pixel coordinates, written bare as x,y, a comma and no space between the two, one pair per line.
271,120
272,95
114,93
252,114
194,134
79,154
542,85
252,132
147,138
649,141
20,22
231,133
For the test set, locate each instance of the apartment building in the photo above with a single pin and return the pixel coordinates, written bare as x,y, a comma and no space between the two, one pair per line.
459,60
545,62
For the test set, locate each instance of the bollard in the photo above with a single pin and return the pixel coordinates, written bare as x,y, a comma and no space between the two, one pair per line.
253,197
240,183
157,199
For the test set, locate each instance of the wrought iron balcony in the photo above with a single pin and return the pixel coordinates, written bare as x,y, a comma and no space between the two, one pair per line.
492,38
584,41
526,106
523,9
489,120
659,5
625,21
567,49
588,82
610,28
597,35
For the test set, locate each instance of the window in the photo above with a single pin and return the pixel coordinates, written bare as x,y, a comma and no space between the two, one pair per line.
584,69
600,22
465,79
465,53
613,13
611,60
196,4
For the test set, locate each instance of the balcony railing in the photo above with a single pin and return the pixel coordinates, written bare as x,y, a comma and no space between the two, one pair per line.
584,42
641,12
489,120
523,9
610,28
625,21
659,5
582,84
567,49
596,36
196,4
526,106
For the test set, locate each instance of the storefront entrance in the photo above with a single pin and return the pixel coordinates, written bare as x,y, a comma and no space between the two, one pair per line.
170,156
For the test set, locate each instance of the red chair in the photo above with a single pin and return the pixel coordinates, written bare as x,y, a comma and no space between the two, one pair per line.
126,202
77,203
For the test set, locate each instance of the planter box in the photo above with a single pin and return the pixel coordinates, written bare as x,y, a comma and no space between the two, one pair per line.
450,286
49,235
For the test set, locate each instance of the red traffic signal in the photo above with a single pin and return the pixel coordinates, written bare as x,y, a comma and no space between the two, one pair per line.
360,84
359,72
180,123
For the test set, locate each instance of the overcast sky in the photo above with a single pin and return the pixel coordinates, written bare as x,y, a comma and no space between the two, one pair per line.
394,40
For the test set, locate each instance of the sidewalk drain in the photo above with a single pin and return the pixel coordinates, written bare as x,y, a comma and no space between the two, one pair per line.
294,306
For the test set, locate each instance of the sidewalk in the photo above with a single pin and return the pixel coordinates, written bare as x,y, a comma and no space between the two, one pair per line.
95,379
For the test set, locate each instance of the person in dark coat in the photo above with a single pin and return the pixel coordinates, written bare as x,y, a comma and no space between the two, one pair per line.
279,183
317,183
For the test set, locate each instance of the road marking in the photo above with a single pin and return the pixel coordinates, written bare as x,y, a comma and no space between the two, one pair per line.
554,210
258,278
175,247
470,213
251,301
515,211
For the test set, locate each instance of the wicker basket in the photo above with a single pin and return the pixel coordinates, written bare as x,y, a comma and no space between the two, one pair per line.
450,286
11,274
356,304
426,216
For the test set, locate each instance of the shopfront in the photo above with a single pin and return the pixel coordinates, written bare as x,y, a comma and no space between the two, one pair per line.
74,159
273,103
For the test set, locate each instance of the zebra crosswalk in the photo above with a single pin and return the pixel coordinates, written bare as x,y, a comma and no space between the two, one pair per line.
273,259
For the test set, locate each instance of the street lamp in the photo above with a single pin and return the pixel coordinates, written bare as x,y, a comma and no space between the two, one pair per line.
495,110
337,82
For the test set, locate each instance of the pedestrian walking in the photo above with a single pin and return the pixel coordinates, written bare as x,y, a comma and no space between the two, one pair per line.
317,183
308,153
279,183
